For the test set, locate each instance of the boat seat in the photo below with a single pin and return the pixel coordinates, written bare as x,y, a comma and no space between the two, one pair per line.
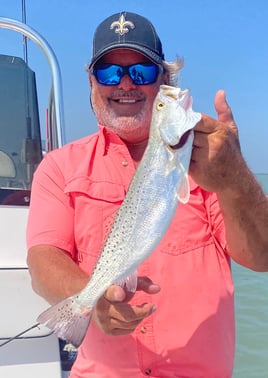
7,167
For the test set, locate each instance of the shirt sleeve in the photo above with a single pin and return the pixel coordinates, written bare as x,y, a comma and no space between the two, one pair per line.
51,213
216,220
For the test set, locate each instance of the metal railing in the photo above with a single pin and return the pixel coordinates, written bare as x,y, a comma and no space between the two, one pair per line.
56,127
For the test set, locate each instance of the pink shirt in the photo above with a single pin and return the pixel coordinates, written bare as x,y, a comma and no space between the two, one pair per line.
76,191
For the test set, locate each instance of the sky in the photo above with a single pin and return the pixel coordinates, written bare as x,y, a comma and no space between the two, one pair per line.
224,45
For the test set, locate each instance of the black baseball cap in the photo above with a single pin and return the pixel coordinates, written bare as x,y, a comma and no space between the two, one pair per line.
127,30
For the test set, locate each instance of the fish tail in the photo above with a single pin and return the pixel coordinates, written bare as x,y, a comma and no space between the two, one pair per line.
173,69
68,320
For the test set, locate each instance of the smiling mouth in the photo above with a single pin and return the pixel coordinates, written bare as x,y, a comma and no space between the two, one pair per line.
127,98
126,101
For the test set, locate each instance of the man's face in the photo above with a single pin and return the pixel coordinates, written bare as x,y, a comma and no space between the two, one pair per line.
125,108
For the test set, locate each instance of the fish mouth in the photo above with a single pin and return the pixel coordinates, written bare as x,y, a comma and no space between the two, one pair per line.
182,140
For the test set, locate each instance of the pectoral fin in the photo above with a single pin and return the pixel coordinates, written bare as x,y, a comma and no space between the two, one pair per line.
183,190
130,283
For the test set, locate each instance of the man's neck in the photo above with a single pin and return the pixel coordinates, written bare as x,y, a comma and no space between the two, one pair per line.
136,150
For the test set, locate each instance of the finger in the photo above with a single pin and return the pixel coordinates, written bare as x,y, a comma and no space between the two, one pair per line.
206,125
118,323
200,139
124,318
194,156
127,313
222,108
118,328
146,284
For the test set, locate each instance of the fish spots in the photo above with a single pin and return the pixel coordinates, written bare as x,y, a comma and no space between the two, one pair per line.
107,226
132,233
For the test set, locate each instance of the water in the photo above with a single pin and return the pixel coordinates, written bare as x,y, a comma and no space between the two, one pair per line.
251,301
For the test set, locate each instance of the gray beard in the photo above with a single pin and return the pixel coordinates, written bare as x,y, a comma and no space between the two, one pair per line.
125,126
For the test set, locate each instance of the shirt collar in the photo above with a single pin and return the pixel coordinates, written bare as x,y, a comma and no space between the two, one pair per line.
107,137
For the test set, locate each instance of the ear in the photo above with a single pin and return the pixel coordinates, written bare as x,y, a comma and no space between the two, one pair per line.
166,77
90,80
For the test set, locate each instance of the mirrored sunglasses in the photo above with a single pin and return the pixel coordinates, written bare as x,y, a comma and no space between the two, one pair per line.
111,74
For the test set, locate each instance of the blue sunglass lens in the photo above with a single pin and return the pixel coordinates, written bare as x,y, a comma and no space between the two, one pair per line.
111,74
142,74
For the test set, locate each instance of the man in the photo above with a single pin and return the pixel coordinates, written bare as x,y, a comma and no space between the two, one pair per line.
180,322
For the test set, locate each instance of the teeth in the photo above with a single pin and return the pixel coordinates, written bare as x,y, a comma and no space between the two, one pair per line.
127,101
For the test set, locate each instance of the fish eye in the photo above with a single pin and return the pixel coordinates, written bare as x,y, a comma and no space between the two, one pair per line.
159,106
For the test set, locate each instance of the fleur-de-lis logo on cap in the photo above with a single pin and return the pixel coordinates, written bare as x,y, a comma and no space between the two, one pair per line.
122,26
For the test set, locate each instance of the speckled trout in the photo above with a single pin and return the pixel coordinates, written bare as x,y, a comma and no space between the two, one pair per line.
159,184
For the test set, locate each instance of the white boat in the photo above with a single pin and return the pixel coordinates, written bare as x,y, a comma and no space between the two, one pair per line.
37,352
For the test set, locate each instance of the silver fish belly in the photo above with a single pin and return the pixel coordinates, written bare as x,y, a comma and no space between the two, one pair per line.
159,184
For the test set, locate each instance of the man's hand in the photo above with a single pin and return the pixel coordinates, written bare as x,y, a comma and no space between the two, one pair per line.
217,165
216,156
115,316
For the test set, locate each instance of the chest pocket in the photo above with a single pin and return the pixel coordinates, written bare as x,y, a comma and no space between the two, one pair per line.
95,204
189,229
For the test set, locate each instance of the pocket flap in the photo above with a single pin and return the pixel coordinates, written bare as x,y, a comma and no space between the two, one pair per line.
101,190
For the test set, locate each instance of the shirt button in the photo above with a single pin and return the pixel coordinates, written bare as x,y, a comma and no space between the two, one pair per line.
143,329
124,163
148,371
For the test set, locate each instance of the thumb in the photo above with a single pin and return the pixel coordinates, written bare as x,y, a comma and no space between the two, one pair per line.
222,108
115,293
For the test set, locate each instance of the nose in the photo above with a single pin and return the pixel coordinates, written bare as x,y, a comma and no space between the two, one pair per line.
126,83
